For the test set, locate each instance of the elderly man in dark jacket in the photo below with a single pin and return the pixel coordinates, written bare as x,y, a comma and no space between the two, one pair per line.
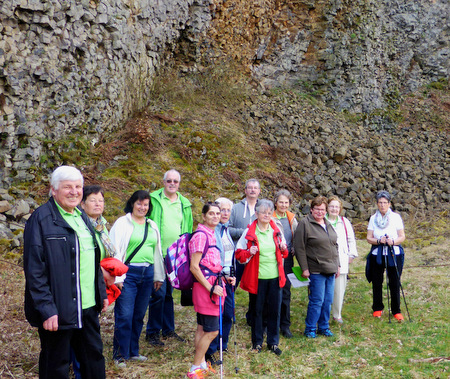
64,290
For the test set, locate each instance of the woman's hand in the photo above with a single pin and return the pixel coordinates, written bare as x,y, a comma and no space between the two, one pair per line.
231,280
305,274
253,250
119,285
105,305
283,246
218,290
157,285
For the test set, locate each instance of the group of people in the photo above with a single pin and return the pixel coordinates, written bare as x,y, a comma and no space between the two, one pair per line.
74,269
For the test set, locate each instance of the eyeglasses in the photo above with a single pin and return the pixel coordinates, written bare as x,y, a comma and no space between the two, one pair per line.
225,210
170,181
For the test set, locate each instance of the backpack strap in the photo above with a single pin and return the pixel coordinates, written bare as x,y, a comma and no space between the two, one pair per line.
127,262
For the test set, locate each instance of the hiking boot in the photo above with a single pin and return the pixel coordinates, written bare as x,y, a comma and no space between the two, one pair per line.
196,374
325,332
172,334
399,317
211,359
377,314
139,358
153,339
286,333
120,363
275,349
310,334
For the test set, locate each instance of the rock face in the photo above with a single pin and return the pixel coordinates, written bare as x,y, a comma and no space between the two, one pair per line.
84,66
77,66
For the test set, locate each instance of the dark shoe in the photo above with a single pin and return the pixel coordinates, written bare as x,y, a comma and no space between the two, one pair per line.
212,359
325,332
153,339
258,348
172,334
275,349
286,333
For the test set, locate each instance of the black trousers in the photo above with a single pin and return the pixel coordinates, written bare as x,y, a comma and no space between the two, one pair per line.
285,316
377,272
54,359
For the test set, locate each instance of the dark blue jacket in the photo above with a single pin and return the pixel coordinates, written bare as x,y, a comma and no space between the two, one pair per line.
51,260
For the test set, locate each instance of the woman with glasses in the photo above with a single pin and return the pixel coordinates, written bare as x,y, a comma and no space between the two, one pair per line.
316,249
262,248
385,233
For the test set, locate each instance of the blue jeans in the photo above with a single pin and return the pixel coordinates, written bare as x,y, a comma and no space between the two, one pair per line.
267,302
321,292
130,310
161,315
227,321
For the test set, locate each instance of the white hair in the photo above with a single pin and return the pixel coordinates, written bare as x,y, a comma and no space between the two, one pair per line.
263,205
172,171
224,200
65,173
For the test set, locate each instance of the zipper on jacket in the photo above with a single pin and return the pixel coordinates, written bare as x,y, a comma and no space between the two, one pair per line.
56,238
78,285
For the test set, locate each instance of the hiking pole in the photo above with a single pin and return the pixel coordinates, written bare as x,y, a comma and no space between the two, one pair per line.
233,289
220,337
387,286
391,249
234,325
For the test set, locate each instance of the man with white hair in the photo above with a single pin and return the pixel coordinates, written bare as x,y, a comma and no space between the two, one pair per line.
64,290
172,212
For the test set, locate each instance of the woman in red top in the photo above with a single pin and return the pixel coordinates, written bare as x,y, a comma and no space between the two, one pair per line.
206,292
262,248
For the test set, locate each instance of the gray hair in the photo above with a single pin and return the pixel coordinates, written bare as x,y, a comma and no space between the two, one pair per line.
252,181
383,193
282,192
263,205
65,173
172,171
224,200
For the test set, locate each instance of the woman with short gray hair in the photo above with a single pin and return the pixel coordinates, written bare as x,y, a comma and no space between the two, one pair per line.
385,233
262,249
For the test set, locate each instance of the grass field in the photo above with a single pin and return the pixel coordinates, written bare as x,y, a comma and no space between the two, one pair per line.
362,346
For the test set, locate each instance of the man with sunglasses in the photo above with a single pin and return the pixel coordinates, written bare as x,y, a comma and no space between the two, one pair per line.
172,212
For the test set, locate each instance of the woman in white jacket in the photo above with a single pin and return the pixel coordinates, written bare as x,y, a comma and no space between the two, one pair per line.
138,242
347,252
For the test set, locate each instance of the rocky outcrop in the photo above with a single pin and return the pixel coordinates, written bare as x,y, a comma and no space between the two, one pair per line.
77,67
357,55
83,67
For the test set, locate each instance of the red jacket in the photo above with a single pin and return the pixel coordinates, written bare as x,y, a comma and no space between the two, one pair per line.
249,281
115,268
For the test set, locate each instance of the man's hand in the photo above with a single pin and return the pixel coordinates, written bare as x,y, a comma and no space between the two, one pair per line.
305,274
51,324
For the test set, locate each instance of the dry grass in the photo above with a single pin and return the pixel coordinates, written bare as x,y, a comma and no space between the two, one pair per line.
362,347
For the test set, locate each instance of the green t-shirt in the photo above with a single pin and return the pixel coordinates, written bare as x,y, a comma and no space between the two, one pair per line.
87,255
145,253
171,222
268,267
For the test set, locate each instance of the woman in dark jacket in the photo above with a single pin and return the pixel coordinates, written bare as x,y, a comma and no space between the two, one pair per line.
262,248
316,249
